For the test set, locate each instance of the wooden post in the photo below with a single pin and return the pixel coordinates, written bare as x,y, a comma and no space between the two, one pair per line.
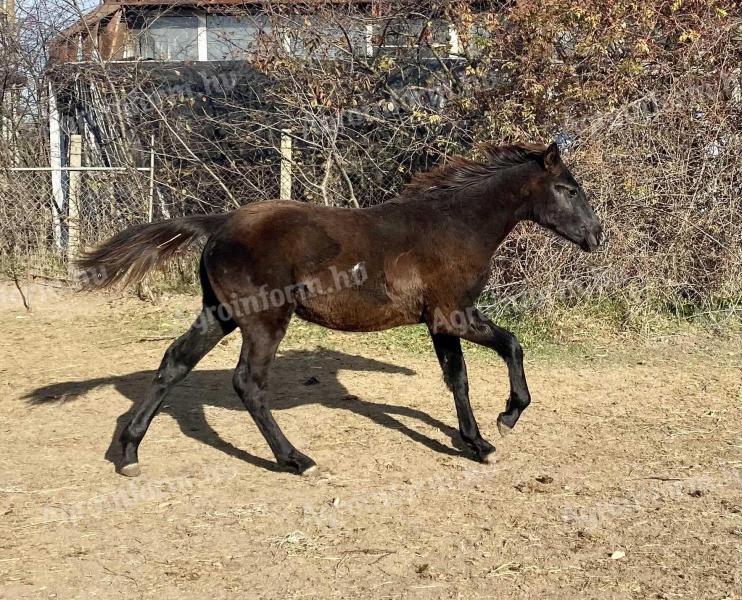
285,191
151,206
73,204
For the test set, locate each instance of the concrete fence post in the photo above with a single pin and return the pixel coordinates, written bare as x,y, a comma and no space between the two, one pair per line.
285,191
73,203
55,164
151,200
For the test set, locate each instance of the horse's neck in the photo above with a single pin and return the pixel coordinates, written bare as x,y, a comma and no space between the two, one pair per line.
488,211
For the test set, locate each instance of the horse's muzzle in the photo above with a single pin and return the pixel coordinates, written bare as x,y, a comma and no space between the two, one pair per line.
592,239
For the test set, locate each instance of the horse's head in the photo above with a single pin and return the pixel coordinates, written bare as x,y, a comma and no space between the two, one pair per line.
561,204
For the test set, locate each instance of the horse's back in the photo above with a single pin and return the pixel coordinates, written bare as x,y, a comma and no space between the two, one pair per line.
349,269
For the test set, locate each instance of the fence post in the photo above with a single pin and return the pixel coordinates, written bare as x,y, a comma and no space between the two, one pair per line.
55,162
73,204
285,191
151,206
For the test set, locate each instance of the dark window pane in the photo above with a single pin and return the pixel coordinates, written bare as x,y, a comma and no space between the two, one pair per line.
170,38
234,37
318,37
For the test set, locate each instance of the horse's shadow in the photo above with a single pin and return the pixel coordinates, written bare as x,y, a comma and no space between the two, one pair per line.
298,377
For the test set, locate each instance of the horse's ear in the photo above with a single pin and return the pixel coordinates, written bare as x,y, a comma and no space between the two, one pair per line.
552,160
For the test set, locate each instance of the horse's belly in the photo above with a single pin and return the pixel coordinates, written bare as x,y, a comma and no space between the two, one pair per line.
369,295
358,310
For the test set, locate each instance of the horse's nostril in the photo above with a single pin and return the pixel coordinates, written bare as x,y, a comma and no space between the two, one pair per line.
600,237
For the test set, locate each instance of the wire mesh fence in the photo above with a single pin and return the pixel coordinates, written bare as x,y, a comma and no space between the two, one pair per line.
38,228
110,202
27,222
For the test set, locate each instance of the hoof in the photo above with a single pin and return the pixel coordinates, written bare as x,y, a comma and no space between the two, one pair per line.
132,470
503,429
488,459
310,471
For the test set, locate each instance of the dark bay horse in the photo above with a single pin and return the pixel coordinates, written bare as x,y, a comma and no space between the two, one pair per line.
423,257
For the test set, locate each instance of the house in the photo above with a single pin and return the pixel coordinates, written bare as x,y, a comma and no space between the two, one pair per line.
205,84
186,30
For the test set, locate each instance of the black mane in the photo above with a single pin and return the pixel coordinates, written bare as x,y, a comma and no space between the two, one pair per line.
460,172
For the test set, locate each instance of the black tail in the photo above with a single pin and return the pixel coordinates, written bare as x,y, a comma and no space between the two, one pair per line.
128,256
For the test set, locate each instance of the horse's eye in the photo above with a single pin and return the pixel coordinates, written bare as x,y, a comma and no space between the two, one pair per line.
572,192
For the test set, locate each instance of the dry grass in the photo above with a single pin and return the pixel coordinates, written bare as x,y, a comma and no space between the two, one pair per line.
630,447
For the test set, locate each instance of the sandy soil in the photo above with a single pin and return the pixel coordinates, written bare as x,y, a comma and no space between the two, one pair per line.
620,481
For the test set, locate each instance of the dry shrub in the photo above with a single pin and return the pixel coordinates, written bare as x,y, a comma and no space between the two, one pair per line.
667,190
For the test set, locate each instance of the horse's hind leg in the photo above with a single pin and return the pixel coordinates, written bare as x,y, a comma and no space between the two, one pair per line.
261,335
180,358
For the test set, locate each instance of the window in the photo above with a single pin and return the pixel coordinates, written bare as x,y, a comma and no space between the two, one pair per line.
170,38
319,38
234,37
403,35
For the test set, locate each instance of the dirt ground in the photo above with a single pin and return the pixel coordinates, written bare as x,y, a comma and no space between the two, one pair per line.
620,481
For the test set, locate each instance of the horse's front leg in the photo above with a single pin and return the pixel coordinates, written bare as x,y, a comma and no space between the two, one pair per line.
473,326
451,359
482,331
